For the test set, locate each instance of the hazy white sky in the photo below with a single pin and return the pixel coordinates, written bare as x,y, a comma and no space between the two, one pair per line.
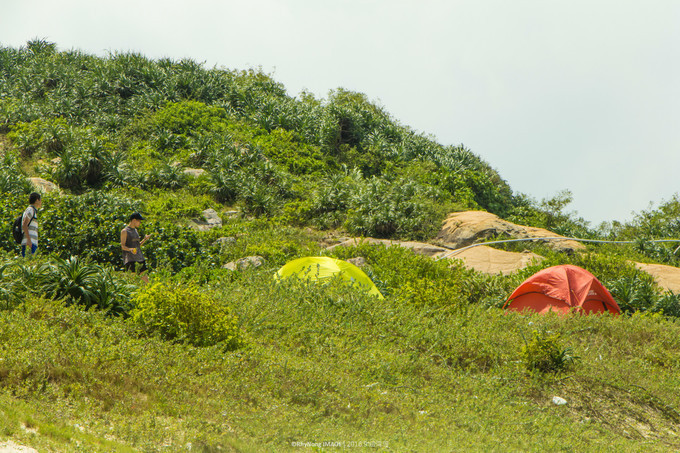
554,94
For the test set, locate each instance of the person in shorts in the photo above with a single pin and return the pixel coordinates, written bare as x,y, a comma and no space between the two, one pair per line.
131,244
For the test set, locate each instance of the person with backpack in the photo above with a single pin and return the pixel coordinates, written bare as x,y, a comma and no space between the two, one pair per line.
29,224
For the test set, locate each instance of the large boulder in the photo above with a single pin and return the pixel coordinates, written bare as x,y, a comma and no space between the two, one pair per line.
667,277
43,185
210,219
194,172
461,229
489,260
245,263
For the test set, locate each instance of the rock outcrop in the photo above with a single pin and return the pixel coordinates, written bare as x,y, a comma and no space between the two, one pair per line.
210,220
43,185
667,277
493,261
245,263
194,172
465,228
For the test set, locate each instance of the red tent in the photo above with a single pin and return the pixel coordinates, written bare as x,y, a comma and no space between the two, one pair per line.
561,289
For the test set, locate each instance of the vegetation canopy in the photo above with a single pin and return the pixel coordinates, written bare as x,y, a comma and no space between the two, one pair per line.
237,178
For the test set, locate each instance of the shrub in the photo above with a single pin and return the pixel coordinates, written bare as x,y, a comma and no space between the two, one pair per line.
86,284
182,313
172,246
668,304
73,281
285,148
398,270
543,353
400,208
189,118
42,136
12,289
634,293
163,175
85,225
179,205
331,198
12,179
443,293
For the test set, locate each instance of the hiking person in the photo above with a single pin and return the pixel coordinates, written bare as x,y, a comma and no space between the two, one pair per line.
29,224
130,243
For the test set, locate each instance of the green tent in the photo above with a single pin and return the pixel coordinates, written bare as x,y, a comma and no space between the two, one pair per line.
321,267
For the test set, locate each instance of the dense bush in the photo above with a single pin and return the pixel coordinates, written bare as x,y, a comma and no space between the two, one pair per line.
399,208
85,284
543,353
173,246
12,180
73,281
42,136
182,313
127,120
88,225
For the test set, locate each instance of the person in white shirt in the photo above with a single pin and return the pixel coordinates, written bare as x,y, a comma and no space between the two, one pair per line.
29,224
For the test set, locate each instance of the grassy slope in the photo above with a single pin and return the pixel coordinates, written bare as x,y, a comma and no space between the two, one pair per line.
328,364
414,372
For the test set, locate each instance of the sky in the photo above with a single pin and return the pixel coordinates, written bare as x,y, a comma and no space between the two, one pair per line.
554,94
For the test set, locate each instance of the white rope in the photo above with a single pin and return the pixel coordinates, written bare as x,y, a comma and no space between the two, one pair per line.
554,238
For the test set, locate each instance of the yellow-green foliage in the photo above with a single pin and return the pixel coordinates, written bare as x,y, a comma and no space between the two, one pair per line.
544,353
444,293
181,312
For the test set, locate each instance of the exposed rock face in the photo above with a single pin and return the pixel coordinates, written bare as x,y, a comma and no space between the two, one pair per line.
43,185
358,261
224,241
195,172
420,248
210,220
245,263
667,277
465,228
493,261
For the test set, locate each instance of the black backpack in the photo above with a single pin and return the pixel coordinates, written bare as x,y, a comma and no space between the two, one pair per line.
17,231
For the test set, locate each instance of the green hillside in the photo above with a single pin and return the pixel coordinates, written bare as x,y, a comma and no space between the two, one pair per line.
206,358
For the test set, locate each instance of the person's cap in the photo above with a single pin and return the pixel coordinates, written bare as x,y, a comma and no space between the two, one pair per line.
137,216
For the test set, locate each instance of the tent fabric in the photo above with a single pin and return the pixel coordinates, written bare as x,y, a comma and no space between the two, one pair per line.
321,268
561,289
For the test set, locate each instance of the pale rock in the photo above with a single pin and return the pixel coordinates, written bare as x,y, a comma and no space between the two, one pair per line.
195,172
43,185
492,261
210,220
667,277
461,229
12,447
245,263
557,401
224,241
358,261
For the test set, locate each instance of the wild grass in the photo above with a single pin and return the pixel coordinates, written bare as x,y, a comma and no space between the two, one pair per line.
327,363
435,366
